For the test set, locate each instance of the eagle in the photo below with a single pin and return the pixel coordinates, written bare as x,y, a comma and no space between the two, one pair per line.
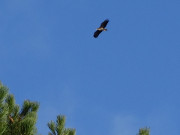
101,28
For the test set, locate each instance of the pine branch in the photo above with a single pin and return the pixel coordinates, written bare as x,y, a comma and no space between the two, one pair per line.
60,124
52,127
144,131
58,128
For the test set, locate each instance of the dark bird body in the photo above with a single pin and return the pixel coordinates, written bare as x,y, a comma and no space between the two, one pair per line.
101,28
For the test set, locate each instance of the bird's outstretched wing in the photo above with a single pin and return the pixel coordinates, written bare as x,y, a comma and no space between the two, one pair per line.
103,24
96,33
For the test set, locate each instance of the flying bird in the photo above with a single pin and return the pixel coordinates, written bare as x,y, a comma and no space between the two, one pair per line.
101,28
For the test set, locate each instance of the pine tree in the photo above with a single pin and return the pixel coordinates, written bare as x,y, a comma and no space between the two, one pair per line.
58,128
14,121
3,109
21,122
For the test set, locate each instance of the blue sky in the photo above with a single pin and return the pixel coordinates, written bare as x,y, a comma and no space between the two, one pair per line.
127,78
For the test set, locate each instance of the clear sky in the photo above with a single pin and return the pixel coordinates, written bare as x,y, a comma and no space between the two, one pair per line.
127,78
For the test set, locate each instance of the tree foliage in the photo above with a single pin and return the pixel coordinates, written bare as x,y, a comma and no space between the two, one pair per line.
58,128
16,121
3,109
144,131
